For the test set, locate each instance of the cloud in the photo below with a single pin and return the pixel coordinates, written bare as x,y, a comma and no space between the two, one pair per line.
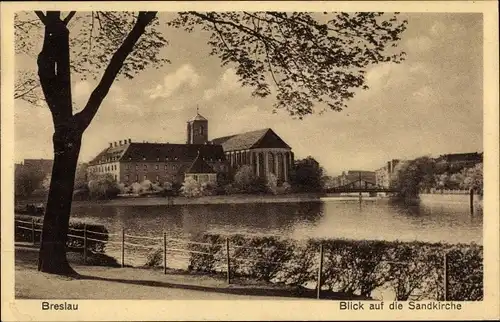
228,83
185,75
437,28
419,44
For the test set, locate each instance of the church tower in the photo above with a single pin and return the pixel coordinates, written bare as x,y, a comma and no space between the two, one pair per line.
197,130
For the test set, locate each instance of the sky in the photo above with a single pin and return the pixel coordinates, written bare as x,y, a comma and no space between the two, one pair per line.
430,104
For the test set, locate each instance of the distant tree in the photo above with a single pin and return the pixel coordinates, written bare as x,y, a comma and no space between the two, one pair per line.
27,180
103,187
191,188
245,180
81,179
301,58
474,178
411,177
307,175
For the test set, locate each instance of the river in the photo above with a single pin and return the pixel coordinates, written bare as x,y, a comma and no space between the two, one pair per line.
329,218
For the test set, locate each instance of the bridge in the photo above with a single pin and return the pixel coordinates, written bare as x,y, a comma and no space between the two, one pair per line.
359,186
345,189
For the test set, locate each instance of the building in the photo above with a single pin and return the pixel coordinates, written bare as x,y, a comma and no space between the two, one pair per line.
201,171
263,150
384,174
461,159
130,162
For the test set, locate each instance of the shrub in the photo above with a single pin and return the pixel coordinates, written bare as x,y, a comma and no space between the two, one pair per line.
190,188
94,231
212,256
272,184
103,187
413,270
155,258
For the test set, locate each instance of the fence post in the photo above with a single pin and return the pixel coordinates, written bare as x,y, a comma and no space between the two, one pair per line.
320,269
33,230
228,262
445,276
164,253
471,201
85,244
123,247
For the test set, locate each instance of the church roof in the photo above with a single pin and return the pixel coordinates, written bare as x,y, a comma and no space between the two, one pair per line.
154,152
253,139
198,117
200,166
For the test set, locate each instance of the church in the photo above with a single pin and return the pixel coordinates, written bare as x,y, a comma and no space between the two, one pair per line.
199,158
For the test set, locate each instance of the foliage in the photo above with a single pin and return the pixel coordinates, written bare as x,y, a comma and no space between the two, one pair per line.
413,270
81,178
155,258
309,57
207,253
103,187
246,181
97,232
473,178
272,183
413,176
424,174
191,188
27,180
307,175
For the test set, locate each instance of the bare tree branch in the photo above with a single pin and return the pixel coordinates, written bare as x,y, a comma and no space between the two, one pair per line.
84,117
68,17
42,16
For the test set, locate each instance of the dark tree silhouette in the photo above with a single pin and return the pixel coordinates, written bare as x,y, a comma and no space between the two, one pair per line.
309,62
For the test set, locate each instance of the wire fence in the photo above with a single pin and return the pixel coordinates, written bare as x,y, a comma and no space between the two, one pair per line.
179,249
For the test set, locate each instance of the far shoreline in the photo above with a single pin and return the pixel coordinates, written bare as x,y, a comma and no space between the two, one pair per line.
222,199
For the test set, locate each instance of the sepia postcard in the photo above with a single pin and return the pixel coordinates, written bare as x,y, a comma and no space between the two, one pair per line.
239,160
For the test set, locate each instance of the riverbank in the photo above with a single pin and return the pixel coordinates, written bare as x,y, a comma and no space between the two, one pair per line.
225,199
100,282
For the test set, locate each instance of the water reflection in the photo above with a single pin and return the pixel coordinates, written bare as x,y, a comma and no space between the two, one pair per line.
327,219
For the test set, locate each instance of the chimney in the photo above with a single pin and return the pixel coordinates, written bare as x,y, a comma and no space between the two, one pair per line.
116,144
129,140
120,142
110,144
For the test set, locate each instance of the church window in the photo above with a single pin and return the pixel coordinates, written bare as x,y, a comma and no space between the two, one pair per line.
157,167
202,130
145,177
157,178
143,158
136,166
145,167
126,178
136,177
157,158
165,167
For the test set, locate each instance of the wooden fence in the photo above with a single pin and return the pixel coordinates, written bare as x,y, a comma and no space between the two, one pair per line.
164,239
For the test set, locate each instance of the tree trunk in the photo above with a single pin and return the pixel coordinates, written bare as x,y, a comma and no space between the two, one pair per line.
52,256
